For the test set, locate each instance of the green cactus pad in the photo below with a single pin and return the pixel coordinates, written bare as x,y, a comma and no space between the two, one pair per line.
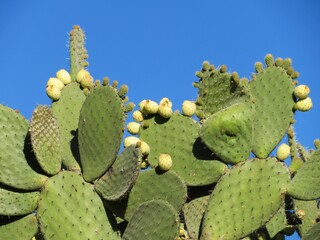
272,91
155,219
151,185
245,198
311,214
306,183
45,139
121,176
67,112
193,213
228,133
217,90
14,168
178,137
101,125
277,223
69,208
16,204
78,53
22,229
313,233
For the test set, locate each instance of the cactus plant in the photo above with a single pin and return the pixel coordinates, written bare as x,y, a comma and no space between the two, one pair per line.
65,174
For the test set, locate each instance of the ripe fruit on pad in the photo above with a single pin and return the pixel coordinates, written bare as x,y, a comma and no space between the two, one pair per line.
63,76
303,105
55,82
81,75
145,148
151,107
165,162
53,92
283,152
165,110
137,116
133,127
301,91
188,108
166,101
130,140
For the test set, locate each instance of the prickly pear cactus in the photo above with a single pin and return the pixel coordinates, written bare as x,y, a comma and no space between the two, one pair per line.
69,173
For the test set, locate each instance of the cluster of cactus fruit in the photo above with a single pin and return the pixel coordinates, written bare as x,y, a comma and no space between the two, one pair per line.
207,172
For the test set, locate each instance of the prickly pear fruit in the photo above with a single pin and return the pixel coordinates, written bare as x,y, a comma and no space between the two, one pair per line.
301,91
188,108
303,105
164,162
269,60
55,82
137,116
165,111
151,107
145,148
53,92
133,127
130,140
81,75
87,82
63,76
283,152
166,101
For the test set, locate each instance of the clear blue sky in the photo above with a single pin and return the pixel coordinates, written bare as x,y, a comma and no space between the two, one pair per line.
156,46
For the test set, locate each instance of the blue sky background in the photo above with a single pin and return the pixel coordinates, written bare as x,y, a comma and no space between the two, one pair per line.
156,46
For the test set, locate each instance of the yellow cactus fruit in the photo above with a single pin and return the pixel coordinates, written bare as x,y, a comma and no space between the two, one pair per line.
55,82
137,116
145,148
133,127
301,91
166,101
303,105
164,162
130,140
53,92
81,75
151,107
87,82
283,152
63,76
142,104
165,111
188,108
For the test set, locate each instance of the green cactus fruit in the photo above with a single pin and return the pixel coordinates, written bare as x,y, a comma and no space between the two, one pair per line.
123,90
258,66
100,131
303,105
283,152
16,204
114,84
69,208
223,69
45,139
296,164
78,53
164,162
63,76
151,185
15,171
119,179
306,183
277,223
155,219
218,91
272,92
129,107
235,77
287,63
313,233
228,133
133,127
245,199
188,108
193,213
269,60
279,62
23,229
311,215
178,136
53,92
67,112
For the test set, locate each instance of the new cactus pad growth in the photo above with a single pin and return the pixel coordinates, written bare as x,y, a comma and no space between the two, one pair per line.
72,172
